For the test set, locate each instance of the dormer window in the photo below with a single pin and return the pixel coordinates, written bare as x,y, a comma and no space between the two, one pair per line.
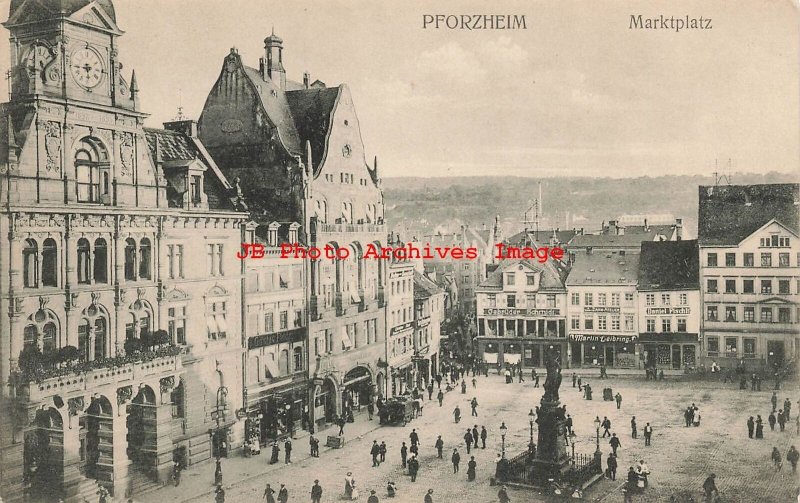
272,234
293,228
196,187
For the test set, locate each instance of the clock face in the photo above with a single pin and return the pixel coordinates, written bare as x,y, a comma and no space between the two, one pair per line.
87,69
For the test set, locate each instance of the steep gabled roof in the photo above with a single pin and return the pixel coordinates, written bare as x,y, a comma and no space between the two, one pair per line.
730,213
39,10
669,265
604,268
276,106
628,241
552,278
423,287
312,110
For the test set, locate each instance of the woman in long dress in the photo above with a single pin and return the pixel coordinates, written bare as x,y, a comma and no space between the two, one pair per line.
348,487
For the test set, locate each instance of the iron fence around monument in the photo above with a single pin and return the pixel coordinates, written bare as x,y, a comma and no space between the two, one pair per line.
519,470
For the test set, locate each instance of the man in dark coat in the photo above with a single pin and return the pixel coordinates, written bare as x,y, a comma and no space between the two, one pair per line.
569,424
618,398
751,426
468,439
414,437
574,378
606,424
373,498
772,420
370,410
375,451
502,495
439,446
774,401
614,443
429,496
475,436
710,487
456,459
687,416
634,433
383,451
440,397
413,468
283,494
218,473
472,465
612,467
792,456
484,434
759,427
474,405
287,452
316,492
787,407
404,454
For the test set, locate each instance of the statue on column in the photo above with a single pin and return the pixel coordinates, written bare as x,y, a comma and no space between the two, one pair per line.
553,380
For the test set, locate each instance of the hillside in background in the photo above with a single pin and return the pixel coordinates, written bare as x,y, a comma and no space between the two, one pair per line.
415,205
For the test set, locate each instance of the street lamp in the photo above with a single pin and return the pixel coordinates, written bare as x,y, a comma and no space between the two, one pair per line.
531,416
597,431
503,431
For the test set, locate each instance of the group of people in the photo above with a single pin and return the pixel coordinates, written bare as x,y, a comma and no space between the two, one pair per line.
691,416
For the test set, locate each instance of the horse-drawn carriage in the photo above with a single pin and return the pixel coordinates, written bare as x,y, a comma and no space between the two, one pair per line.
396,411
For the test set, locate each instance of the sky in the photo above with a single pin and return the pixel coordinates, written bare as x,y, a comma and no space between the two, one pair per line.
577,93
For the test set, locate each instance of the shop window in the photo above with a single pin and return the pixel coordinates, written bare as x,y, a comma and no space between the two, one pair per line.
49,263
130,259
749,313
748,259
712,346
100,263
749,348
664,354
30,264
84,262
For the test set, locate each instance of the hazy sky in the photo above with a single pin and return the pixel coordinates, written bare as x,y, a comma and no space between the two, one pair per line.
578,92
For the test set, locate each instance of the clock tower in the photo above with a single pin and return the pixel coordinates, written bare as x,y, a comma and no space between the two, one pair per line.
68,50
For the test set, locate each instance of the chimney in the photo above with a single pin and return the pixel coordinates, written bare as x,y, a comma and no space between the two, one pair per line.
306,79
679,228
187,127
646,228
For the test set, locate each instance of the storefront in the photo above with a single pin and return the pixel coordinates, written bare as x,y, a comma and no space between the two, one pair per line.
357,388
669,350
603,350
524,352
274,416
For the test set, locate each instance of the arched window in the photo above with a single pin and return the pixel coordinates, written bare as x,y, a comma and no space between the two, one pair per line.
29,336
100,269
130,328
144,259
91,171
49,263
30,264
298,359
84,262
49,334
130,259
83,339
347,212
144,324
99,338
283,362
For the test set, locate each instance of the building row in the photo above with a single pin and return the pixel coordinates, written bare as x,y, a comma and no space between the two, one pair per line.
132,335
646,298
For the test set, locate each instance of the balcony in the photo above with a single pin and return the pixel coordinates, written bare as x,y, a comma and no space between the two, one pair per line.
321,232
117,370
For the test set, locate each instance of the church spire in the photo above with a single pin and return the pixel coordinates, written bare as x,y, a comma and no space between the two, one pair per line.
273,55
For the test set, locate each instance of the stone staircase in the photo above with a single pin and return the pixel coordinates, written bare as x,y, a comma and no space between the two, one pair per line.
141,483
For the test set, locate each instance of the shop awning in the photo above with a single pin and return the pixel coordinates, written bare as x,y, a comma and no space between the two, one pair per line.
221,324
211,324
511,357
490,357
346,342
272,367
354,297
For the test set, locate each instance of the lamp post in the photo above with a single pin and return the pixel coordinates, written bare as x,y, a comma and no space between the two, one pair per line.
597,431
503,431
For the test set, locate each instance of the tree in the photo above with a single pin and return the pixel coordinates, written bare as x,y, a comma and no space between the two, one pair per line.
30,360
161,338
68,355
132,346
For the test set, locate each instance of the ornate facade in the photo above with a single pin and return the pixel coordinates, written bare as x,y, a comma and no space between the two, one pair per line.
116,356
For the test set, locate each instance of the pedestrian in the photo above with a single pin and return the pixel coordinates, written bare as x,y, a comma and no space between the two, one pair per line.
383,451
687,416
618,398
316,492
429,496
463,387
430,391
468,439
502,495
751,426
269,494
413,468
580,384
574,377
606,424
414,437
615,443
375,451
759,427
287,454
176,474
633,427
457,414
536,381
391,489
787,407
632,482
792,456
484,434
283,494
569,425
781,420
533,375
456,459
743,383
472,465
439,446
474,383
370,410
218,473
414,450
642,470
440,397
311,444
373,498
403,454
797,422
439,381
348,486
474,405
475,436
774,401
648,434
772,420
521,379
710,487
219,497
776,459
612,467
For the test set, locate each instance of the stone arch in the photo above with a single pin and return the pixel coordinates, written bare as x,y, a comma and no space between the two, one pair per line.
357,387
99,420
325,400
